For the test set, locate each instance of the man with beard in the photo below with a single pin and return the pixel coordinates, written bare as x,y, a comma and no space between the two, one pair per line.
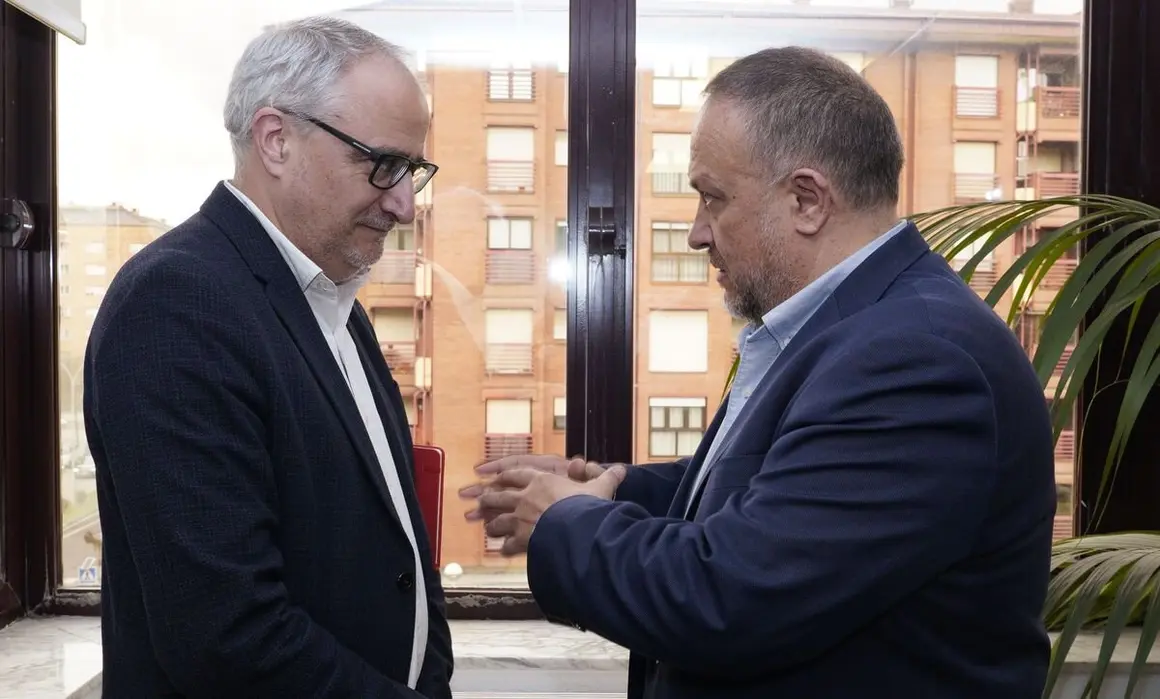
870,512
262,536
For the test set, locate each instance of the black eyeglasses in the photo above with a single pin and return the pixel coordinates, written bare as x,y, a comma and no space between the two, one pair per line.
390,167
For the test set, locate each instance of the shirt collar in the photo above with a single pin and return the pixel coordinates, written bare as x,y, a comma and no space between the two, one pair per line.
313,282
784,321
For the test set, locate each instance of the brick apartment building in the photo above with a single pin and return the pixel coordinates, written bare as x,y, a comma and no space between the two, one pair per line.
469,301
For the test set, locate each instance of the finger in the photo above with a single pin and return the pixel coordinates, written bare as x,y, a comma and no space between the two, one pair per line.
539,462
605,484
516,478
499,500
578,469
515,545
480,514
473,491
503,525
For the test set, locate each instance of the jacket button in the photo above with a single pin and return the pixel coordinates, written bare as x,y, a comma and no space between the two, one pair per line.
405,582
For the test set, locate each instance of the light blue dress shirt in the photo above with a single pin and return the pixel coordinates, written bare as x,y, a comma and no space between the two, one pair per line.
761,346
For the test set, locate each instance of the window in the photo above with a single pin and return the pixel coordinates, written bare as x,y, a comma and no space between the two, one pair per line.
508,433
676,426
679,83
509,233
560,324
562,238
670,163
678,341
673,261
561,147
559,412
974,175
511,82
396,331
95,271
977,86
509,340
511,153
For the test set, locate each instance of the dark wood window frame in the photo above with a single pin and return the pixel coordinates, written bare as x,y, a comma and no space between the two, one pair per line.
1122,156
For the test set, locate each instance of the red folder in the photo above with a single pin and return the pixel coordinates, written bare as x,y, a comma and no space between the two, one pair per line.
429,463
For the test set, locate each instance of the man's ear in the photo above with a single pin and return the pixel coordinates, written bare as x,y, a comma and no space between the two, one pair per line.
268,131
814,200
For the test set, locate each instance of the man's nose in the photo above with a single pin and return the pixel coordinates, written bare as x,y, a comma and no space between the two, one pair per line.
700,234
399,201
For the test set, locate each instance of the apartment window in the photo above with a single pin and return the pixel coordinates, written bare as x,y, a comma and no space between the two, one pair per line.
679,83
511,82
975,178
1028,327
511,152
509,233
509,340
507,432
670,163
97,291
95,270
561,237
673,261
678,341
675,426
401,238
560,325
977,86
559,413
561,147
97,248
395,329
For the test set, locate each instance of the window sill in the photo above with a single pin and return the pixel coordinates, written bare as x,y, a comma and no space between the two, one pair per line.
60,658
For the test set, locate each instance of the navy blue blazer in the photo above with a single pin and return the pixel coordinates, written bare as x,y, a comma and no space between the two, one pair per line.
250,545
877,523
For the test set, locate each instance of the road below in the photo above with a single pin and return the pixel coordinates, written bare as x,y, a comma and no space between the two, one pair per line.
74,549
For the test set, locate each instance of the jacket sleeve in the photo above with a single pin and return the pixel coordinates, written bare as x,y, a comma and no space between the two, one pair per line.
175,399
652,486
879,480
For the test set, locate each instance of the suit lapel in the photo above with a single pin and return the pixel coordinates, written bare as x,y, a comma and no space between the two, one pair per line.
677,507
862,287
286,297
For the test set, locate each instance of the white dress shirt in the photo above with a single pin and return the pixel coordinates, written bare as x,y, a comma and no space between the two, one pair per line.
332,304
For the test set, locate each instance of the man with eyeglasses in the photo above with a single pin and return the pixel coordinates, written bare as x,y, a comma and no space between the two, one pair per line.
262,536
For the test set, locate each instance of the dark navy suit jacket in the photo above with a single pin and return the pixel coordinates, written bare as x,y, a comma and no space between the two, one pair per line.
250,545
877,523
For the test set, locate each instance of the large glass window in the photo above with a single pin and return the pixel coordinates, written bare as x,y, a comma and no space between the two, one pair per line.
467,316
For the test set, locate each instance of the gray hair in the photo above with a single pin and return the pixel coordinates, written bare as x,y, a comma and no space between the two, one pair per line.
296,66
808,109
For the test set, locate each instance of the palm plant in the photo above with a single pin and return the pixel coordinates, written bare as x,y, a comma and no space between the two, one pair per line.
1106,581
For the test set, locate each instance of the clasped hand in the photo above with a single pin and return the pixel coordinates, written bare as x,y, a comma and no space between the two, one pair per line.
516,490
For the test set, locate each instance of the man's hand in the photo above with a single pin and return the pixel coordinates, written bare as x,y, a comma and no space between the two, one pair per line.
518,497
577,468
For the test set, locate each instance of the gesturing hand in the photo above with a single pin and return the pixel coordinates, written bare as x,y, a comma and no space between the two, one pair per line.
519,496
577,469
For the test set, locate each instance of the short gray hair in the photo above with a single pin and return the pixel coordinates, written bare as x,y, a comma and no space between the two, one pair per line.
296,66
808,109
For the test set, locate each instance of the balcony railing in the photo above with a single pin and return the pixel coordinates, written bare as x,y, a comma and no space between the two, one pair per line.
1064,358
1059,102
1065,446
1062,527
395,267
517,176
497,446
970,186
983,279
509,358
1055,184
510,267
400,356
977,102
1058,275
671,183
680,267
515,85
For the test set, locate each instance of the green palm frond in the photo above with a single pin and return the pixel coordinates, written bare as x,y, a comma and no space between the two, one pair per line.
1108,582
